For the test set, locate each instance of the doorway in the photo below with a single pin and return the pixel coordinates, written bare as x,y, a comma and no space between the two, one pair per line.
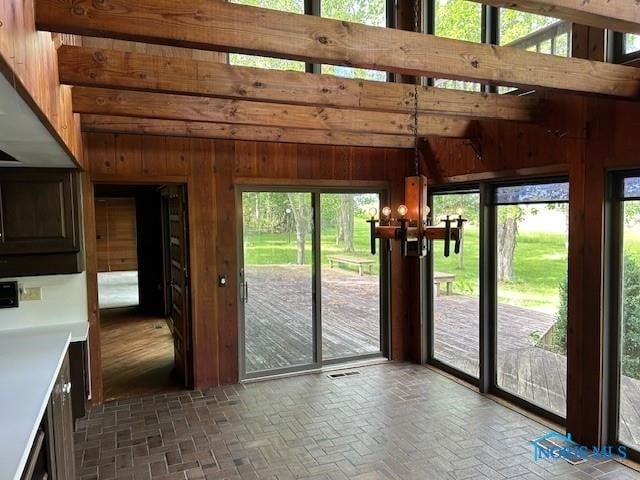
311,292
143,289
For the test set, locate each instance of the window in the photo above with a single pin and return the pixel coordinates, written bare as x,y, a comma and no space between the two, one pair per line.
456,289
535,33
631,43
531,274
460,20
628,348
294,6
368,12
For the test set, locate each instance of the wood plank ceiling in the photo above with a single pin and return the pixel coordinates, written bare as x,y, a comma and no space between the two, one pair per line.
135,92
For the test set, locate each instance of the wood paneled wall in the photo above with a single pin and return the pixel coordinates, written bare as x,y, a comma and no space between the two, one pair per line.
116,234
28,59
212,169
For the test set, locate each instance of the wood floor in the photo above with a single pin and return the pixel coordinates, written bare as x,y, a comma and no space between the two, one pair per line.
137,355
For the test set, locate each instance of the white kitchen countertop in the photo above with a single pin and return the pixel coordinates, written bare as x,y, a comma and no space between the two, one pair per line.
30,360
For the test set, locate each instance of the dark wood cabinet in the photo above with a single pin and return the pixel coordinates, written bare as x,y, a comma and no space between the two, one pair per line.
40,230
62,425
51,456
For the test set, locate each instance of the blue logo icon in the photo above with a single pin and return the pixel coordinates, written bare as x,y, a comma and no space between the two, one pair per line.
555,446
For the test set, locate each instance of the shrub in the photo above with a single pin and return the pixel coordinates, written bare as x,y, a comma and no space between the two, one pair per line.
631,319
630,354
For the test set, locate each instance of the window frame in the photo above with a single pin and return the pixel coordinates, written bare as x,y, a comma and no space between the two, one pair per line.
616,53
492,292
429,290
488,321
314,7
613,269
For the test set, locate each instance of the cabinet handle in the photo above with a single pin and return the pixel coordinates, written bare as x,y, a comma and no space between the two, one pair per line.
66,387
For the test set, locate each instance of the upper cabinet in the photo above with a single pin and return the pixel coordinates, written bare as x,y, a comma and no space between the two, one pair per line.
40,231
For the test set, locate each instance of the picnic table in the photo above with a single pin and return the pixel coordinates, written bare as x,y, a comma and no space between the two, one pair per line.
439,278
348,260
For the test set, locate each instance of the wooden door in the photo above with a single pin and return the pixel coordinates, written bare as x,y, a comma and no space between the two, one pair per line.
177,274
116,234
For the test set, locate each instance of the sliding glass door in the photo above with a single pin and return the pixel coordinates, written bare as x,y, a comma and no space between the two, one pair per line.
276,281
628,314
310,290
456,287
531,273
350,276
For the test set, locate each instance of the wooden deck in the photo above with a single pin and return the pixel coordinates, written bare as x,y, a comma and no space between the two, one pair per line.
279,315
279,334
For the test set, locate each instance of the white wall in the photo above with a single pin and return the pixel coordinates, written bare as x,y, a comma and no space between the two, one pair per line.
64,300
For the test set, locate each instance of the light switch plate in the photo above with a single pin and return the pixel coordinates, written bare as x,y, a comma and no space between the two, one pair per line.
30,293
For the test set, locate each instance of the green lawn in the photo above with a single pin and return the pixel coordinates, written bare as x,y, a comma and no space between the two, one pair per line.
539,264
280,248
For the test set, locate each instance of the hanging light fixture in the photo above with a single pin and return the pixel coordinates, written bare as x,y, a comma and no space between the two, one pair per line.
412,226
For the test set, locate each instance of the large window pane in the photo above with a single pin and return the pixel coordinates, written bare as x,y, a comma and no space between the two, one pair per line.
350,277
277,286
631,43
535,33
367,12
460,20
294,6
532,302
456,304
629,423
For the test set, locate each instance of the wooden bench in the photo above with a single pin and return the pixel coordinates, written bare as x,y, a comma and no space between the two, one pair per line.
439,278
347,260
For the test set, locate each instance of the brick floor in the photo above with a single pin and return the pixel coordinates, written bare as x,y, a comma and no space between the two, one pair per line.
392,421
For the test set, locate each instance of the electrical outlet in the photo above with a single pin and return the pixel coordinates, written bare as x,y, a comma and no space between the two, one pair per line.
30,293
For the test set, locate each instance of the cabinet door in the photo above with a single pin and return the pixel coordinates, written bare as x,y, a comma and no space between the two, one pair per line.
62,425
38,212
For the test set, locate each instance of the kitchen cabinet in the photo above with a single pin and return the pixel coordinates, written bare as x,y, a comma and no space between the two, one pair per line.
40,229
51,455
62,424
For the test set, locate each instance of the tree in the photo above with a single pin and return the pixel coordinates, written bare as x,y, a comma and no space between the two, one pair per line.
631,318
301,211
344,232
509,216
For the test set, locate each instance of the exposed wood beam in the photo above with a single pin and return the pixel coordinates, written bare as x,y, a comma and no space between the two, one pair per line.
216,25
617,15
177,128
204,109
116,69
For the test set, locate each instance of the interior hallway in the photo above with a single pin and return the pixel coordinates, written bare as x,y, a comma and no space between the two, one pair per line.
137,354
391,421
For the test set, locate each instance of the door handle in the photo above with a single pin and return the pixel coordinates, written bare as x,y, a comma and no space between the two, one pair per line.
66,388
246,292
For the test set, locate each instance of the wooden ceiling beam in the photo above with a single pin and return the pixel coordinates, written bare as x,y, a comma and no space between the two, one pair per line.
226,131
91,67
205,109
229,27
616,15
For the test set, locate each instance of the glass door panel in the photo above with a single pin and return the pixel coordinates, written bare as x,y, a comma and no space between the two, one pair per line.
456,289
531,255
629,421
277,281
350,276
